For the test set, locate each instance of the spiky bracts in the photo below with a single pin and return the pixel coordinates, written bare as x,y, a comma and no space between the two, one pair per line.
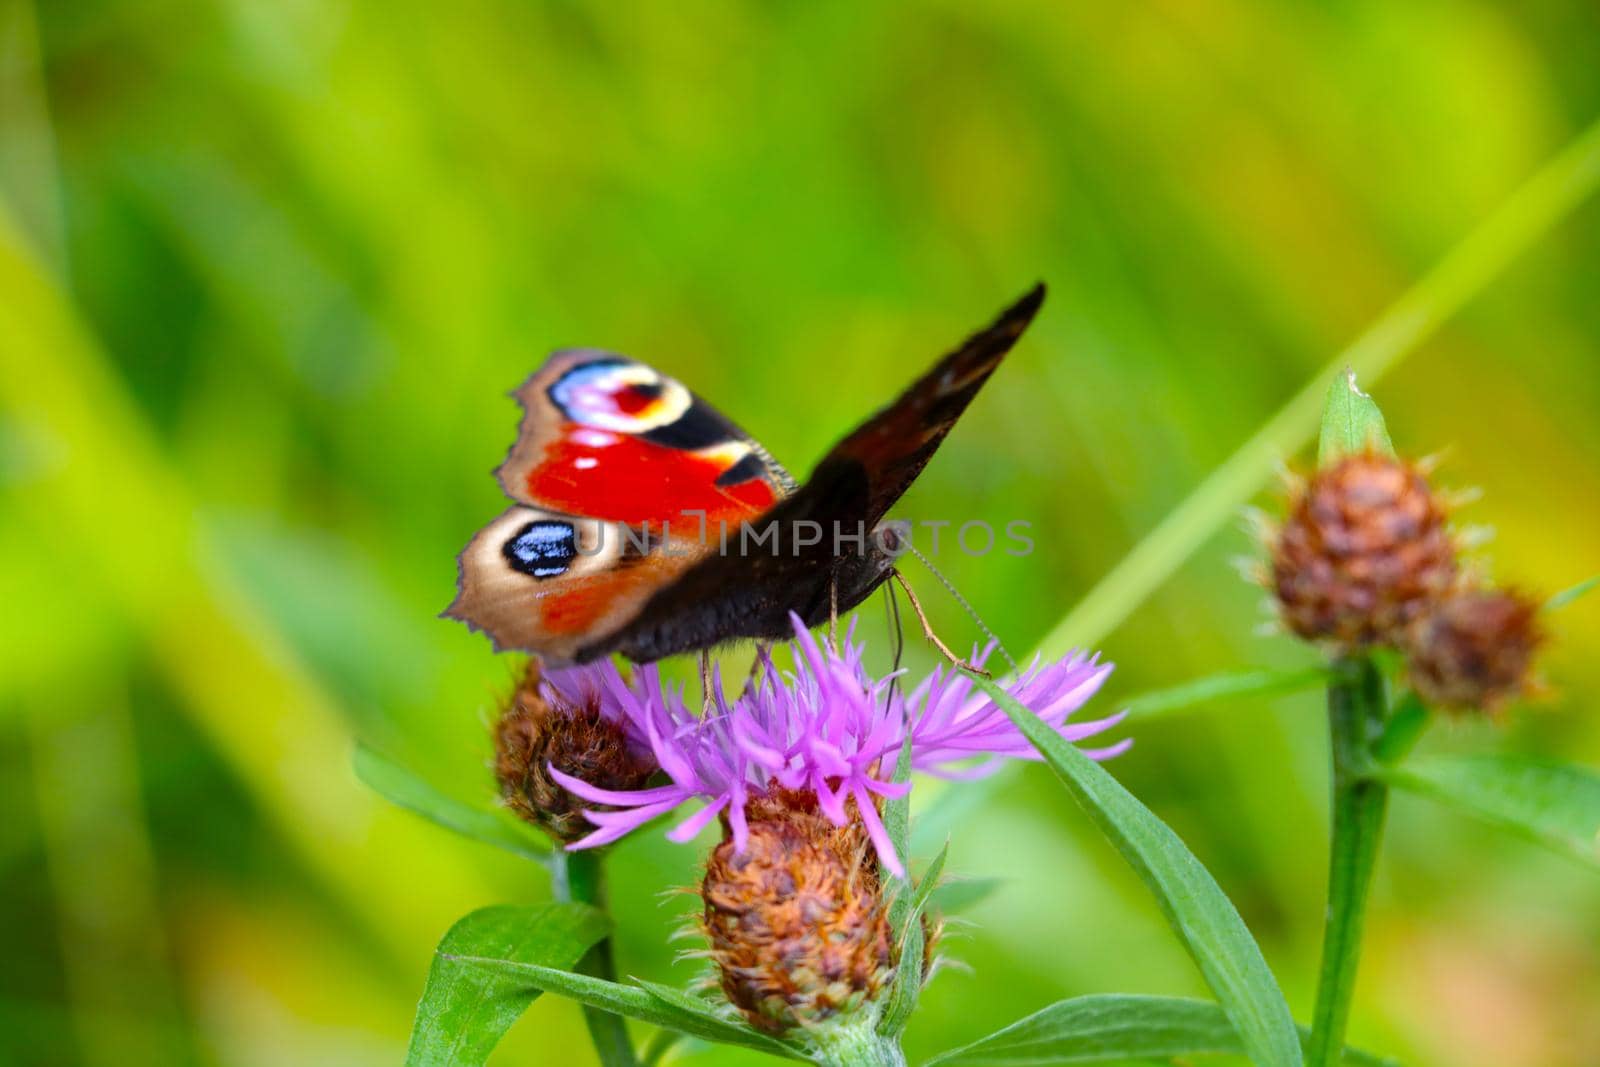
796,920
1366,558
1365,550
559,722
1474,650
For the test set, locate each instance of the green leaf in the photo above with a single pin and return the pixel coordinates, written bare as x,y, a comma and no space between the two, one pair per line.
1202,916
1221,686
466,1010
1351,422
1571,593
647,1003
1557,805
1096,1029
404,789
1404,729
930,882
901,997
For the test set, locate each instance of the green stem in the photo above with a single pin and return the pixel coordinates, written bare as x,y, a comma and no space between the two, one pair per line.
855,1044
1356,711
578,877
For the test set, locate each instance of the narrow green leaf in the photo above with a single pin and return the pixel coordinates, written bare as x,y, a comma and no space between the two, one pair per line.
466,1010
1557,805
958,894
1201,914
1221,686
636,1002
930,882
1571,593
1405,727
404,789
1096,1029
897,813
1351,422
901,998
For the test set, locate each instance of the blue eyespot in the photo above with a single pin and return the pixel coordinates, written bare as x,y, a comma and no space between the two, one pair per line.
543,549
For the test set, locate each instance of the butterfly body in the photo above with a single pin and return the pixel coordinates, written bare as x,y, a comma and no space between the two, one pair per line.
647,524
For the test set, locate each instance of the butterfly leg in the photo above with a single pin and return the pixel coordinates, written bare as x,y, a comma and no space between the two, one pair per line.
756,664
705,681
933,638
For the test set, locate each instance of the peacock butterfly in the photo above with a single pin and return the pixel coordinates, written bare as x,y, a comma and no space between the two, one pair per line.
646,523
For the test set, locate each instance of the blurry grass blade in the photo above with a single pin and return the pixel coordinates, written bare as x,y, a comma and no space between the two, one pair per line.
1115,1027
1546,198
1568,595
1557,805
952,805
632,1001
1221,686
657,1048
267,717
405,789
1351,422
465,1010
958,894
1199,912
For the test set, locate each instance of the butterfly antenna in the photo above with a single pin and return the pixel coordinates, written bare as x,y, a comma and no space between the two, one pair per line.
966,605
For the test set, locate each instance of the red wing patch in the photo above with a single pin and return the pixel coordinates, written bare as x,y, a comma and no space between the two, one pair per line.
624,478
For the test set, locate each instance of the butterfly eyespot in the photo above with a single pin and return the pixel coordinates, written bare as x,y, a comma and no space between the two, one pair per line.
618,395
542,549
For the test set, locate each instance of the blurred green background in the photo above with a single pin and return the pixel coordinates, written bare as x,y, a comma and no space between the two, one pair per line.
268,268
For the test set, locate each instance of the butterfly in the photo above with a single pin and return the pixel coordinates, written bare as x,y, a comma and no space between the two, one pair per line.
646,523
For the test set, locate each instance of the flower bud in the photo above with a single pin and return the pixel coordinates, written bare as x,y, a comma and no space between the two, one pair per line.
544,725
796,919
1473,650
1365,550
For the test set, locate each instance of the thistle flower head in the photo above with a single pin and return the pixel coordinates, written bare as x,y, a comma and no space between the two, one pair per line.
830,729
796,920
1474,649
560,722
1365,549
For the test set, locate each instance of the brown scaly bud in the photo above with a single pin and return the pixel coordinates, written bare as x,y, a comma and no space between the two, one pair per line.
798,926
1473,650
540,727
1366,548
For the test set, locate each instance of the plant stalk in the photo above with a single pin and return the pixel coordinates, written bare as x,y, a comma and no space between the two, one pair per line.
854,1044
1356,713
579,878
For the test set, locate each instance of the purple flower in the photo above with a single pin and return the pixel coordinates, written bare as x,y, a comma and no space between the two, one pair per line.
827,728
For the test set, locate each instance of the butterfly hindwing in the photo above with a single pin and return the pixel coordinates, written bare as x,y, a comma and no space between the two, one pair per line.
546,582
